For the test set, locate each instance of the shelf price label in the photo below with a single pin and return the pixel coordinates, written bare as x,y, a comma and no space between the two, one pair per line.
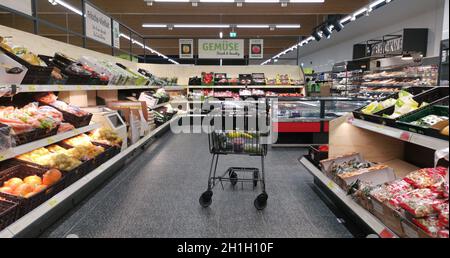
60,87
50,140
385,233
32,88
331,184
2,157
52,203
405,136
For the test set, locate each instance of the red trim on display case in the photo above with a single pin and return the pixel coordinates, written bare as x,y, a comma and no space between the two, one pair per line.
298,127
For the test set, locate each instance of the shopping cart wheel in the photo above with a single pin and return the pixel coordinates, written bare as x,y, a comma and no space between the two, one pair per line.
233,178
206,199
261,201
255,178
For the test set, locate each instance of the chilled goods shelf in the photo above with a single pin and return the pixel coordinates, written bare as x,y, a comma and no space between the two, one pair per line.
34,222
419,139
371,221
21,149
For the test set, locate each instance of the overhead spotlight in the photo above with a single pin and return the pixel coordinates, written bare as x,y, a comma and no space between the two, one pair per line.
326,31
338,25
316,35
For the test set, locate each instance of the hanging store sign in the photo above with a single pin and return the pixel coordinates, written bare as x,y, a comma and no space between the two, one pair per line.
221,48
98,25
256,48
186,48
388,47
116,34
23,6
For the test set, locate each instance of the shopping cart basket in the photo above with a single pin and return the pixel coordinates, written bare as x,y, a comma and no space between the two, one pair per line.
244,139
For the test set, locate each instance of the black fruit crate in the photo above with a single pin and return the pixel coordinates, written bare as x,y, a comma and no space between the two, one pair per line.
76,121
431,97
110,152
405,121
36,134
8,213
35,74
421,94
28,204
315,155
358,114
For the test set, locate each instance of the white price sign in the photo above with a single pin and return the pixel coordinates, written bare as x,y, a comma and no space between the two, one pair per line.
23,6
221,48
98,25
116,34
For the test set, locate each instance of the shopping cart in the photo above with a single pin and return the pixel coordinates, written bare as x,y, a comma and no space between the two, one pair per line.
245,138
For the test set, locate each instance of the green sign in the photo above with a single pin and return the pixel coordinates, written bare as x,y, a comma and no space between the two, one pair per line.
233,34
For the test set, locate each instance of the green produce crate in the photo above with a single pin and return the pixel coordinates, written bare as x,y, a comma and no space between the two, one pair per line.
404,123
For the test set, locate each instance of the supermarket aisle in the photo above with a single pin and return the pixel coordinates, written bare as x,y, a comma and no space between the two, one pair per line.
157,196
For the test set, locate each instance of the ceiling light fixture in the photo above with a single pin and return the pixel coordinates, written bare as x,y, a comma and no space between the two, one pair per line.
220,26
326,31
66,5
252,26
316,35
149,25
338,25
288,26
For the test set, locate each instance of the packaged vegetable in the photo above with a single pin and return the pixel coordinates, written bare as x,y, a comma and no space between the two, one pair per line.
390,191
442,209
443,233
427,177
430,225
419,203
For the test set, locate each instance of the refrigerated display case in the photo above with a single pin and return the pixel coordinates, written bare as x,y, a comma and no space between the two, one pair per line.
304,121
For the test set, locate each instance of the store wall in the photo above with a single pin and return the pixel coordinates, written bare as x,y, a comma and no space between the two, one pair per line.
398,15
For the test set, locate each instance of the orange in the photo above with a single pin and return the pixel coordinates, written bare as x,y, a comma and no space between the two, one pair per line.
23,190
39,188
6,190
13,183
51,177
33,180
28,195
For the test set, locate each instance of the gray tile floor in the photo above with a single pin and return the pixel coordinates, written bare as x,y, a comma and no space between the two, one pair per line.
157,196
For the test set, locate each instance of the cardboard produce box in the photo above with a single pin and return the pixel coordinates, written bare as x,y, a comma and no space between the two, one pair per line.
377,174
389,216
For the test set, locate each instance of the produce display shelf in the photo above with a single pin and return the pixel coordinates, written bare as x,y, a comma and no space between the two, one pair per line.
248,87
370,220
276,87
395,77
419,139
387,85
46,88
33,222
21,149
174,88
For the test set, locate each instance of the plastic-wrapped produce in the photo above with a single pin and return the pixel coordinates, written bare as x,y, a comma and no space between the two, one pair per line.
419,203
442,208
443,233
390,191
430,225
5,137
427,177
